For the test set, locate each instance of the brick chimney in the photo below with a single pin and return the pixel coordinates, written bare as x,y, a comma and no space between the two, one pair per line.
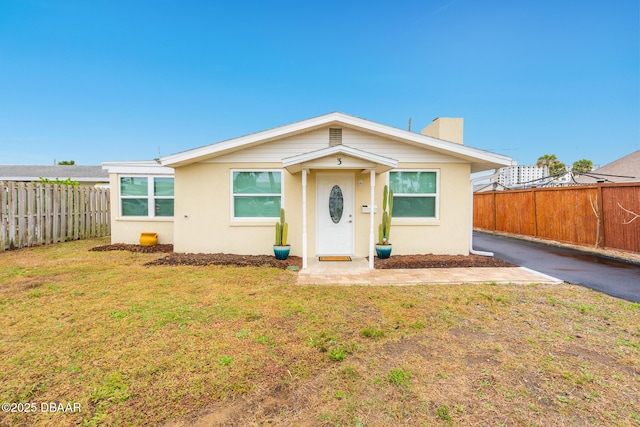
447,128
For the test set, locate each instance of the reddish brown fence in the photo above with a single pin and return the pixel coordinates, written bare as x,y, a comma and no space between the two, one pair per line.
603,215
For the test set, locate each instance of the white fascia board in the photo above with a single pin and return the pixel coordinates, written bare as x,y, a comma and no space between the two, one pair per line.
149,167
436,144
197,154
472,155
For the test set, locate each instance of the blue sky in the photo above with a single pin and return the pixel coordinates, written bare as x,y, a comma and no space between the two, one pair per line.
116,80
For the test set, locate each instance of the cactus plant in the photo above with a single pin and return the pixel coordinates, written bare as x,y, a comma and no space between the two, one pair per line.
282,230
281,248
384,229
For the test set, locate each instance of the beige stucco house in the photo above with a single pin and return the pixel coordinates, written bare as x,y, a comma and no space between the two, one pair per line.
327,172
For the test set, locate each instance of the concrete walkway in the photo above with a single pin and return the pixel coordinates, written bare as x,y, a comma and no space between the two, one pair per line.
357,272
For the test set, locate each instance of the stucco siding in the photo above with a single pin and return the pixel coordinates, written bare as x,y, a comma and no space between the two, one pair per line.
450,233
204,223
203,217
127,230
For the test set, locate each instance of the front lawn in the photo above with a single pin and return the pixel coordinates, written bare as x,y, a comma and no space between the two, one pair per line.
104,340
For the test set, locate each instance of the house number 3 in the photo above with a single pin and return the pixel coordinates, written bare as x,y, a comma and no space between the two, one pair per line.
339,161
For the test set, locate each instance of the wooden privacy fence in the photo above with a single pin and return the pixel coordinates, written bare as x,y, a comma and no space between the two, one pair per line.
603,215
35,214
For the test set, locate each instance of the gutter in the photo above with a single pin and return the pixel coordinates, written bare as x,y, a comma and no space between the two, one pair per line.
473,181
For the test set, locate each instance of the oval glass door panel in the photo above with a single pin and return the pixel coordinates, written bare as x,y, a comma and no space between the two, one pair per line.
336,204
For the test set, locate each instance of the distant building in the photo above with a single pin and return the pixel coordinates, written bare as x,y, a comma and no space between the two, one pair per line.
625,169
85,175
517,176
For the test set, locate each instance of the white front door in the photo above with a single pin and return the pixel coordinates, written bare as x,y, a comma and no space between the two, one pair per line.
334,213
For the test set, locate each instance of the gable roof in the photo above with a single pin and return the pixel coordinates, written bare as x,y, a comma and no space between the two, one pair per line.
625,169
480,160
34,172
381,163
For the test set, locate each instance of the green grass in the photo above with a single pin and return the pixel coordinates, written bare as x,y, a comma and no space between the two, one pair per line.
138,346
398,376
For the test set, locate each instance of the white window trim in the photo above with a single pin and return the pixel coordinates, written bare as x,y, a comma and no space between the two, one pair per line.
253,220
413,220
151,198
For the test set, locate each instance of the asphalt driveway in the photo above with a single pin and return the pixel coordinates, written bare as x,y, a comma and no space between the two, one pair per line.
613,277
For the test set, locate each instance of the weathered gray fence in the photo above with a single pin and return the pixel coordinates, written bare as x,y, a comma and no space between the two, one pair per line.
36,214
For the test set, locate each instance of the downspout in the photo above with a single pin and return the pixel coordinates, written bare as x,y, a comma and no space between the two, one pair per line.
473,181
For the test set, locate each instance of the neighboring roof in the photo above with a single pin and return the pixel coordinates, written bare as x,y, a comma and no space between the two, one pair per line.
625,169
480,160
137,167
491,186
35,172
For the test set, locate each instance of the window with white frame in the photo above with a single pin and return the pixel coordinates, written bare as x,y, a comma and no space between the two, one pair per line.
256,194
146,196
415,193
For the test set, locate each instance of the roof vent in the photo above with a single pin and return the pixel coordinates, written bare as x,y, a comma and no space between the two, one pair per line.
335,136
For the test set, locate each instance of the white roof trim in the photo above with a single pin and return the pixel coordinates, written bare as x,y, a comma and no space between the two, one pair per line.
483,159
295,164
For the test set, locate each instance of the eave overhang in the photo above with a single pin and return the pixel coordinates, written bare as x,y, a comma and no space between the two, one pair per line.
480,160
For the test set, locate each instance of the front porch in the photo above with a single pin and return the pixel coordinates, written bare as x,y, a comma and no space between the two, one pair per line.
337,232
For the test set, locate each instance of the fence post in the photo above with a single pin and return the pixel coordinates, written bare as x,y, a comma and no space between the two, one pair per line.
13,208
31,218
56,213
76,213
495,211
63,212
22,215
603,223
3,216
535,211
39,213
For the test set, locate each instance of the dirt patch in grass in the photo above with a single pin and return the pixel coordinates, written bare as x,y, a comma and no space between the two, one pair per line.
396,261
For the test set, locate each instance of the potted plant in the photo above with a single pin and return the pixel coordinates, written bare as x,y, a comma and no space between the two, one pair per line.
281,248
383,247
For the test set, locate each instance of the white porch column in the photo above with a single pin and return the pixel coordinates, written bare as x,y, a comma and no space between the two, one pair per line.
304,218
372,238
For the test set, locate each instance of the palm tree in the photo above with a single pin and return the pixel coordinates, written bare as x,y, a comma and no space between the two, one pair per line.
551,162
582,166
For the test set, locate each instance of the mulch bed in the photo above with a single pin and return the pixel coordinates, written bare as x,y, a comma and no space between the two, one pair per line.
395,261
439,261
135,248
228,259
